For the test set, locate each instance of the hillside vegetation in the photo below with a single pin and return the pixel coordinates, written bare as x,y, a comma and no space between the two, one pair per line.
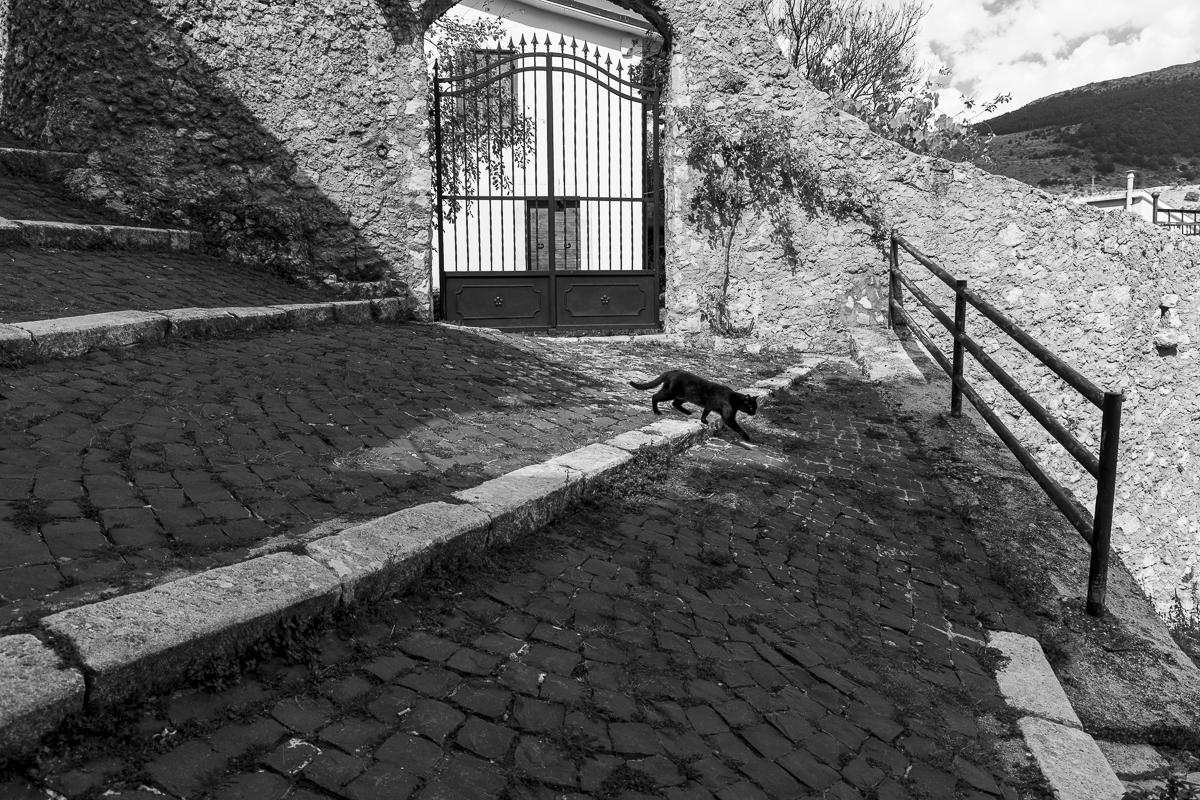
1148,123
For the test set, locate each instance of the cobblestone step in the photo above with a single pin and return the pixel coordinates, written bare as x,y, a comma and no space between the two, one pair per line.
74,236
41,283
119,470
28,342
148,641
37,163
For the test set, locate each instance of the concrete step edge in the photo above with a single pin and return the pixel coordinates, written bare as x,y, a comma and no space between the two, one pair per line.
67,337
1067,756
140,643
40,163
99,236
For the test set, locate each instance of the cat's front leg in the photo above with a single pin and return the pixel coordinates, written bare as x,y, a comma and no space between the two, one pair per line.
731,421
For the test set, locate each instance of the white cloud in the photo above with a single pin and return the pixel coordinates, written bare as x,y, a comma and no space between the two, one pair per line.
1033,48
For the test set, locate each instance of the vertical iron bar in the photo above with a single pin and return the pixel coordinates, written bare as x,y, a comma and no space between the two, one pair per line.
1106,487
645,164
609,164
895,290
657,221
960,328
480,126
620,195
489,140
587,163
441,223
550,205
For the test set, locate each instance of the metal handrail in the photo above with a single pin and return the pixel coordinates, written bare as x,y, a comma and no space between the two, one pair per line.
1097,530
1187,220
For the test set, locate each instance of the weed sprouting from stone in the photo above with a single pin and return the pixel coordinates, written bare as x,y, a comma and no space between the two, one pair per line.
626,779
29,514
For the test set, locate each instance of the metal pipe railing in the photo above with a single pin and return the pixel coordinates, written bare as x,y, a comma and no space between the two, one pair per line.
1097,530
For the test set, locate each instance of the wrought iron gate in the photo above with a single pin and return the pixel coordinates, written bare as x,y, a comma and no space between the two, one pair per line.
549,189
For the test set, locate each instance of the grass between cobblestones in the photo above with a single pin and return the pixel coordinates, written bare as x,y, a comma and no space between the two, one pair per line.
735,623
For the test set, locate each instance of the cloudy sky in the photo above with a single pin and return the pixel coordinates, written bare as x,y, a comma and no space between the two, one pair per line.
1033,48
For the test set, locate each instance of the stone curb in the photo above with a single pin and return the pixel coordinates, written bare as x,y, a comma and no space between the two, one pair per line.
74,236
1067,756
67,337
144,642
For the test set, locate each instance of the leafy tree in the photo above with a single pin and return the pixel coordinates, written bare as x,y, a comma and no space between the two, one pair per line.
485,135
745,173
863,55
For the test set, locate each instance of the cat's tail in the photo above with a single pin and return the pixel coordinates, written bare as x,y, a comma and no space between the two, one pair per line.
649,384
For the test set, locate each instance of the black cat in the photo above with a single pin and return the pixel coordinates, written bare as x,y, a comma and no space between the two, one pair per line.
682,387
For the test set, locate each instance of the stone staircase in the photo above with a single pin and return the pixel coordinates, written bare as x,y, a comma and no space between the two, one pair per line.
37,210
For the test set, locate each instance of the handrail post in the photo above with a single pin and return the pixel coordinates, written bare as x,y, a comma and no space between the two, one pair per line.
960,329
895,290
1106,487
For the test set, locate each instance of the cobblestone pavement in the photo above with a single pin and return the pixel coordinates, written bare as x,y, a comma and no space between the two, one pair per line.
117,470
793,621
43,283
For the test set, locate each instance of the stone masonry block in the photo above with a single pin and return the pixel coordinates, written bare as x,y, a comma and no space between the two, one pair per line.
388,309
382,555
1134,762
354,312
37,691
680,435
39,163
594,461
1071,761
1027,681
304,315
254,318
633,441
67,235
201,322
74,336
11,234
160,239
525,499
16,344
145,642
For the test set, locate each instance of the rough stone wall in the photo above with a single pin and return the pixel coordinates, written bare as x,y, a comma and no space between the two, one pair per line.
293,132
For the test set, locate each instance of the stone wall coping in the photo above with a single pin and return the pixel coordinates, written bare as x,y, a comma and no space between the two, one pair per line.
66,337
143,642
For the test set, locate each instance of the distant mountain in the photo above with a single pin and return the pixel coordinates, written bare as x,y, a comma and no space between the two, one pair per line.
1149,123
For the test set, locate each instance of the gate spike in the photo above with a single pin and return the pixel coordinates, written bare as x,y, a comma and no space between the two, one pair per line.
608,61
619,68
562,43
522,42
585,51
573,45
510,44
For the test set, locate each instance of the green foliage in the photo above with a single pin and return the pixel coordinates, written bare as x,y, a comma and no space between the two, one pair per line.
1174,788
863,55
910,118
485,134
746,173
